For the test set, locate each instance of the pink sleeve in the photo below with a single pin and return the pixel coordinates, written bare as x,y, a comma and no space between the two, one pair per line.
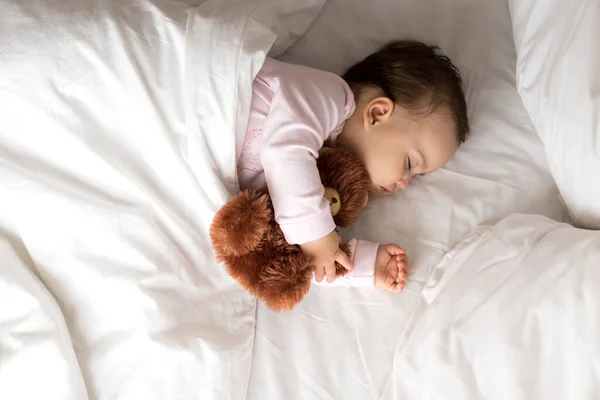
305,110
363,256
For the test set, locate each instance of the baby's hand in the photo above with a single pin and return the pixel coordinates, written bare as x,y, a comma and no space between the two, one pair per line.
391,268
324,253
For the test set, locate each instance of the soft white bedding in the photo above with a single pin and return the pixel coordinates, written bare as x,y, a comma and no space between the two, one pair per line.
513,312
117,147
37,356
558,67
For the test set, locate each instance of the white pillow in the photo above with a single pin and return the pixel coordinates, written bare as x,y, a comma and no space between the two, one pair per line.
558,78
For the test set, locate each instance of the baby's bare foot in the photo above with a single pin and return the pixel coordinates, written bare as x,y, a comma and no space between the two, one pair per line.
393,275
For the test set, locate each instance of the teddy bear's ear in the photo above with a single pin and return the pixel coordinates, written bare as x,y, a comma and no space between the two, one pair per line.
324,150
335,203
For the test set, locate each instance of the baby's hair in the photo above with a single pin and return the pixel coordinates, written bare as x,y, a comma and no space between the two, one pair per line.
416,76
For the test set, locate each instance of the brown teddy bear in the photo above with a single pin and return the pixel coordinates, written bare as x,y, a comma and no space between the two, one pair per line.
250,243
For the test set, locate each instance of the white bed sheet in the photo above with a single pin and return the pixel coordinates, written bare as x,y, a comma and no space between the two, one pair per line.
339,343
117,146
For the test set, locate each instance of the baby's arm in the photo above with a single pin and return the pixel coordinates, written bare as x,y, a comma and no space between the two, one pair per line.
304,112
302,116
362,254
384,266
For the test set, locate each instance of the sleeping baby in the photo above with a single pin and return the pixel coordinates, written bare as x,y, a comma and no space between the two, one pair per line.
401,110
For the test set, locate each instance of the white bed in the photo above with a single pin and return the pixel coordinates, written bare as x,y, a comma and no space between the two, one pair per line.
111,171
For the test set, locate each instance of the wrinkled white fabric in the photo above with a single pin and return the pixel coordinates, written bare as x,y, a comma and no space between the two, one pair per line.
37,359
513,312
558,77
109,179
117,146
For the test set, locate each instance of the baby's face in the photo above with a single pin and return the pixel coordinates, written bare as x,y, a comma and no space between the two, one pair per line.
400,146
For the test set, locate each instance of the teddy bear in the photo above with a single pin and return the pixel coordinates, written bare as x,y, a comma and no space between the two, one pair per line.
249,242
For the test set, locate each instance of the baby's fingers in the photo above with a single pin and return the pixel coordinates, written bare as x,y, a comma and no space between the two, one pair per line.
402,275
397,287
394,249
344,261
403,261
393,283
330,271
319,273
402,272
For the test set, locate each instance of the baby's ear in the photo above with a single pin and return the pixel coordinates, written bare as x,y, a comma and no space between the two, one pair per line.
379,109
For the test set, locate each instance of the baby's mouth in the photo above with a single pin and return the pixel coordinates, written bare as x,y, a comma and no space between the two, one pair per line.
385,190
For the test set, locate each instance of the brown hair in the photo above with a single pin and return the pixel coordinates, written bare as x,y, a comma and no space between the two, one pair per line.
416,76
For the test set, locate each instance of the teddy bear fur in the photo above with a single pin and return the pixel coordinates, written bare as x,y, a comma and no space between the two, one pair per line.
249,242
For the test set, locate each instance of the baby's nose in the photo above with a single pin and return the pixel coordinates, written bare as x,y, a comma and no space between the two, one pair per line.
403,183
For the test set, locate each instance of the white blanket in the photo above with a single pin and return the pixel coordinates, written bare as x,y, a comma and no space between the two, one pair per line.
117,146
513,312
